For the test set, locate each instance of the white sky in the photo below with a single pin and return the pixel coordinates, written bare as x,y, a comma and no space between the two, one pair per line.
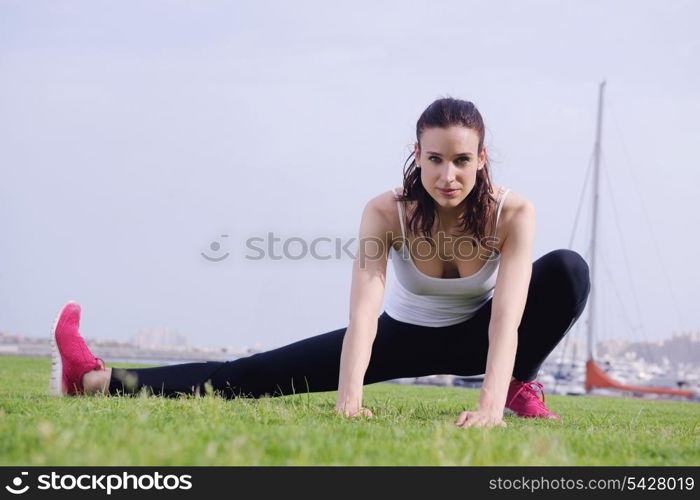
133,134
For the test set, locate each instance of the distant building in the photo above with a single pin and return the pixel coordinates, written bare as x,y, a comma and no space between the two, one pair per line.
682,347
159,337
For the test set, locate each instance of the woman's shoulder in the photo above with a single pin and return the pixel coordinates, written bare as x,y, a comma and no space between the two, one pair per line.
385,202
512,204
385,209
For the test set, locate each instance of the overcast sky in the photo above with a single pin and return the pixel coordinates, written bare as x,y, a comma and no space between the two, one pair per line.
133,135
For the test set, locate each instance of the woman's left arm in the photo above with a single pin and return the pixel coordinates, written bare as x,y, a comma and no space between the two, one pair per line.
508,304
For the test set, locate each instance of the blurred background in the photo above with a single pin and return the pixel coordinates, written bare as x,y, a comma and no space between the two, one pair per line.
134,135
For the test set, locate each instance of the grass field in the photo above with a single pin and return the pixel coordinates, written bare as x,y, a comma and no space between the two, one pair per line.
412,426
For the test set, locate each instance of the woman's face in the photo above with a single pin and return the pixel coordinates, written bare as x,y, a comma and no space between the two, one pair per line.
449,160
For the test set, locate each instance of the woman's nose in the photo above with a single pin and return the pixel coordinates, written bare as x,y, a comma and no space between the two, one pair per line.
448,174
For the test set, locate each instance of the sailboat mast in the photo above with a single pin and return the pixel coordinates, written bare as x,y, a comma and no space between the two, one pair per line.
596,377
594,229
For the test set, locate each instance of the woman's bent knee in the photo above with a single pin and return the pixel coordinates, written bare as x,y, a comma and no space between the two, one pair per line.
572,271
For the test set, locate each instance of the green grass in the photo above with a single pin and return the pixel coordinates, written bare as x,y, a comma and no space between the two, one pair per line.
412,426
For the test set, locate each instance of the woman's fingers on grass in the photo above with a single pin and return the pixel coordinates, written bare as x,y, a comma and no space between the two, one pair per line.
476,419
462,418
363,412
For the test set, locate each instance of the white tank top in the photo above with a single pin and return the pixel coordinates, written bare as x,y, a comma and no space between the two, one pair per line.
414,297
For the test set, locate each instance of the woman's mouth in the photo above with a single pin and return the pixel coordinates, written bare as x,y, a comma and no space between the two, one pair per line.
448,192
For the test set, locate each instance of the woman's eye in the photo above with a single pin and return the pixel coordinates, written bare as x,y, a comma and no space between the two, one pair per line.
437,159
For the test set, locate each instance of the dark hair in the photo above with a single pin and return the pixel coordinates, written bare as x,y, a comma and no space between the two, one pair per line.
479,205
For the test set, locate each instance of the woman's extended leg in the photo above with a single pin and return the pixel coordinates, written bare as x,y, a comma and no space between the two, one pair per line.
557,295
309,365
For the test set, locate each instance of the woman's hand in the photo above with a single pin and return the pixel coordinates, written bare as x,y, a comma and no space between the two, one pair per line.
353,411
480,419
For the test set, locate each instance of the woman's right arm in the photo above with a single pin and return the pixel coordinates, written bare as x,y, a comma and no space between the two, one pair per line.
366,295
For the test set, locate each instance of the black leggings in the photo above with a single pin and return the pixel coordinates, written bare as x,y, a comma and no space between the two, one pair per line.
556,298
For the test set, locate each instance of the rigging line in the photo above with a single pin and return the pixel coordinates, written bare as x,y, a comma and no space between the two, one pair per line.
617,292
580,201
626,259
660,260
570,247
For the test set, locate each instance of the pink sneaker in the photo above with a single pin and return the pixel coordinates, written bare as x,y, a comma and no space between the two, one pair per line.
70,356
523,400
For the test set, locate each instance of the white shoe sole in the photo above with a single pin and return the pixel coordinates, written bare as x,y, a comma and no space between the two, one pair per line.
55,382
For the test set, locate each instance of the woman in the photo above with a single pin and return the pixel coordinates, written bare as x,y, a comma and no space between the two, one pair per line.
465,297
